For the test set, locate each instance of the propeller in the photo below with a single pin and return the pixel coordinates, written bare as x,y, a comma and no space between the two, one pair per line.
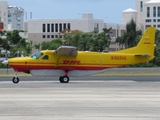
5,62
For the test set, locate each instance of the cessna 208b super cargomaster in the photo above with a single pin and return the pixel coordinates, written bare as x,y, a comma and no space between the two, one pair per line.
66,61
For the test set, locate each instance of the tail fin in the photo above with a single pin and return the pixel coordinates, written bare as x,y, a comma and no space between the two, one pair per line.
145,46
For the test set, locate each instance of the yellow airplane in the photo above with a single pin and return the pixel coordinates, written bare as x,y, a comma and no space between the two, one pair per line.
67,61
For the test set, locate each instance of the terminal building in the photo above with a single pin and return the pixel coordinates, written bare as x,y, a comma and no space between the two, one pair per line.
40,30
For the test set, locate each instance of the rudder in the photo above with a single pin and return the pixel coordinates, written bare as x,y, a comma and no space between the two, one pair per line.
146,43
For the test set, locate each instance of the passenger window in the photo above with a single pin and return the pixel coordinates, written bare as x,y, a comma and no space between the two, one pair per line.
45,57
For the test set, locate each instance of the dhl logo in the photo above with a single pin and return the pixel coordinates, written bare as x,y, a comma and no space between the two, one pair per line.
71,62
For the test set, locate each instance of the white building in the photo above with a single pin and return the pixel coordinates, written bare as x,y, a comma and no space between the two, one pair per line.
129,14
39,30
148,13
11,16
15,18
4,14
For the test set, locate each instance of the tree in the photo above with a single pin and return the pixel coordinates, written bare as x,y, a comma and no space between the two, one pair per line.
101,41
131,34
72,38
13,37
84,42
37,46
156,60
51,45
131,37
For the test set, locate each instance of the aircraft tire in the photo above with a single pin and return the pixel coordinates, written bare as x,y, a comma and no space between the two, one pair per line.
15,80
60,79
64,79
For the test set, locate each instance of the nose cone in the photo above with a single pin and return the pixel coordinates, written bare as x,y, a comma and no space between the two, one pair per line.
5,62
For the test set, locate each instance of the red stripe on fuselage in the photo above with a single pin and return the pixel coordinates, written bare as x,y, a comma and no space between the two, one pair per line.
25,68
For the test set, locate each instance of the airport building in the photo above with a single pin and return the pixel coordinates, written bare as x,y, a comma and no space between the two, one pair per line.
39,30
15,18
12,17
148,13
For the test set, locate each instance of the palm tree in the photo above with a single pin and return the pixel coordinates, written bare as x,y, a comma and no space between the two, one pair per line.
131,33
101,41
85,42
37,46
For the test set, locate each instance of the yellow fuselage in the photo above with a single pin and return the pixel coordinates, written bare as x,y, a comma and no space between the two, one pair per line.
84,61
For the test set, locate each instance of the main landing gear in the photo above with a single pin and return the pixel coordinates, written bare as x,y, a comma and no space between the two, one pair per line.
65,78
15,79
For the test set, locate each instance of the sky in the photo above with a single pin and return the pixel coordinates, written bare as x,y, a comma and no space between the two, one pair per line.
108,10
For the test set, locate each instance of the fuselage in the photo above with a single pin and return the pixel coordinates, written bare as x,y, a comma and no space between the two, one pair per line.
48,60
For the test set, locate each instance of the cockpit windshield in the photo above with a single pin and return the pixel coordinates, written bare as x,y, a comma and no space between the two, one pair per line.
37,55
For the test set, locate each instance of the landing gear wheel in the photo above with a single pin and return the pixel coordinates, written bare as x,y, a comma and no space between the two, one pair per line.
64,79
60,79
15,80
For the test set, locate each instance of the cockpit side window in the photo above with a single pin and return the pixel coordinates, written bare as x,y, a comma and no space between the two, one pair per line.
46,57
37,55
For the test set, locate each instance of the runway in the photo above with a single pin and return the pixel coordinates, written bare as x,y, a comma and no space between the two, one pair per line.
86,98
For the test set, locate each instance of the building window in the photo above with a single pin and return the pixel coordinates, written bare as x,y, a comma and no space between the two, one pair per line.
9,15
44,27
56,27
52,27
48,36
154,20
154,25
60,27
60,36
158,12
113,33
154,11
56,36
96,26
147,26
158,26
69,26
43,36
158,20
148,11
141,6
48,27
52,36
64,26
148,20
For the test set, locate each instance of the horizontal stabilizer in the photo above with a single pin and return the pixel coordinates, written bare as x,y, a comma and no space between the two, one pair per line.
143,55
66,50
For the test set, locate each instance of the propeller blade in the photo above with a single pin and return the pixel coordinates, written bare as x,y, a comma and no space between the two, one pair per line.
5,62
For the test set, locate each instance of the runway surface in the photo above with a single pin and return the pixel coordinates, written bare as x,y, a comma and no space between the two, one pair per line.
86,98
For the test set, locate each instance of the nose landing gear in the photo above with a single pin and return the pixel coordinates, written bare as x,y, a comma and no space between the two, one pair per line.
15,79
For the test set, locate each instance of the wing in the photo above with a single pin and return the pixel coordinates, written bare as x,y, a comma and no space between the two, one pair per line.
67,50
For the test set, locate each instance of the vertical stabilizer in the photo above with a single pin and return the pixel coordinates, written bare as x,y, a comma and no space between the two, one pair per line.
145,46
